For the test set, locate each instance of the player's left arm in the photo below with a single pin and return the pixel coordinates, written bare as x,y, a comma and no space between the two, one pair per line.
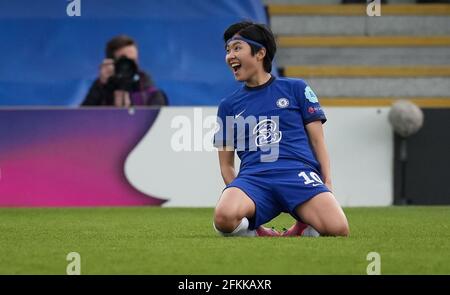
315,132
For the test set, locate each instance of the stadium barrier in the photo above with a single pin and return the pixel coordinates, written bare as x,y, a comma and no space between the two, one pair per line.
145,156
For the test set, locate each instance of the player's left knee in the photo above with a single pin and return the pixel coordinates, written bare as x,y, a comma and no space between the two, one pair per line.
340,229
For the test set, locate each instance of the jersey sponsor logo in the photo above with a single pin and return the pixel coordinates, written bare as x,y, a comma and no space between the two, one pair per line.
238,115
310,95
283,102
266,133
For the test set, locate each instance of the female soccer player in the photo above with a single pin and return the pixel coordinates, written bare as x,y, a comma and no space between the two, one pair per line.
275,126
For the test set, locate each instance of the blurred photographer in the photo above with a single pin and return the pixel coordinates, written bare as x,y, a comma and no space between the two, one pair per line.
121,83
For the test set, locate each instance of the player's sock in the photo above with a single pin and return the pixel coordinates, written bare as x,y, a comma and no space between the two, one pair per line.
240,231
310,232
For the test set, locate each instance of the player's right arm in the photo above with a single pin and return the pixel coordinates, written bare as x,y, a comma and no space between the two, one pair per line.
226,161
224,142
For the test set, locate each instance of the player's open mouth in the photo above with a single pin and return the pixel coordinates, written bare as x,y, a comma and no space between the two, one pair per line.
235,66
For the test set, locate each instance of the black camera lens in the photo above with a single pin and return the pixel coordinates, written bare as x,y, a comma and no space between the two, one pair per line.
125,76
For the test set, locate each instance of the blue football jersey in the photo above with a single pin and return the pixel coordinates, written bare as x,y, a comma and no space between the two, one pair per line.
266,124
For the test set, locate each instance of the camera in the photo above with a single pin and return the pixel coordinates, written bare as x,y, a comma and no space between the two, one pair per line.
126,76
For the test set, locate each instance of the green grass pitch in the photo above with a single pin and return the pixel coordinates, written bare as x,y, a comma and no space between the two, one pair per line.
150,240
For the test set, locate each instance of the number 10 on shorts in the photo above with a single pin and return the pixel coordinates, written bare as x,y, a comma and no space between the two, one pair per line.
315,181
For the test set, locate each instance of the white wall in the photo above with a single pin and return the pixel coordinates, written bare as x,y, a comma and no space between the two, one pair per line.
359,141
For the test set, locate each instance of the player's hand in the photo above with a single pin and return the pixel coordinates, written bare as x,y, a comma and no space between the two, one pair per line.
106,70
122,98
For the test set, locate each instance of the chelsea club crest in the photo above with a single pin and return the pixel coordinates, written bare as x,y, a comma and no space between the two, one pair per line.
282,102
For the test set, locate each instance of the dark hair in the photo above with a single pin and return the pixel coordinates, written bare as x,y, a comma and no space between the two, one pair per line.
117,43
256,32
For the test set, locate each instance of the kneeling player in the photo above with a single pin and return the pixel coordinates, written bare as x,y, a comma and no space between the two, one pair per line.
284,161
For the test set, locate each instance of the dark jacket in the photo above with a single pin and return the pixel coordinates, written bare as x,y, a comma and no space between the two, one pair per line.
146,94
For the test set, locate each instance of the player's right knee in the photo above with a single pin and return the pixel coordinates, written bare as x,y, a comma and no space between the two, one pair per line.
343,230
225,221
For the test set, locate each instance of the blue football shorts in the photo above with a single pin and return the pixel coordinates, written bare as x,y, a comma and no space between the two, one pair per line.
277,191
